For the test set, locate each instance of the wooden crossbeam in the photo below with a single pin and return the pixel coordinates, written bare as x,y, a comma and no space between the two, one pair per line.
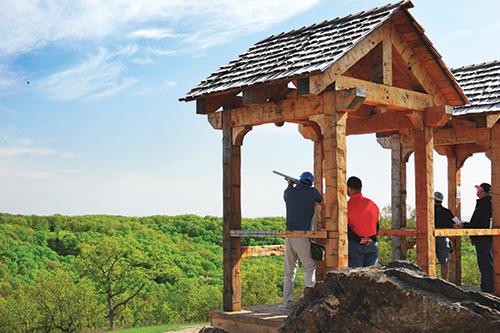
290,110
398,232
211,104
381,122
453,136
466,232
262,251
278,233
388,96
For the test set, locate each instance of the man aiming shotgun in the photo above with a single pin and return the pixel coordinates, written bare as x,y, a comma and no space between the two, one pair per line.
300,199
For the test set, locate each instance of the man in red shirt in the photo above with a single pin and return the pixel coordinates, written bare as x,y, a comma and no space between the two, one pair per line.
363,218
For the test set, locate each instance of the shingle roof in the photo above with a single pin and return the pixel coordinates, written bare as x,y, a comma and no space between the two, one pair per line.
296,53
481,85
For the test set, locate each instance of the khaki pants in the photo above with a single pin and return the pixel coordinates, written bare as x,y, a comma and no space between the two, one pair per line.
297,249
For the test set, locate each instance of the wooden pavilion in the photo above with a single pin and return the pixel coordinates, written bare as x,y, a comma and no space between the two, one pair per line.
472,129
372,72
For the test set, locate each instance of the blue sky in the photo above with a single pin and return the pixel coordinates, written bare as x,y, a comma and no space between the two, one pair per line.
99,128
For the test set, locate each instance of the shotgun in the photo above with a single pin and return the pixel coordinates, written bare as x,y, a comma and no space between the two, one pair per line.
287,178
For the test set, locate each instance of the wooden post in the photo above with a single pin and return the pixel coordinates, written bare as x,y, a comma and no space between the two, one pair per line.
387,59
454,181
426,257
495,182
398,196
232,216
319,220
334,148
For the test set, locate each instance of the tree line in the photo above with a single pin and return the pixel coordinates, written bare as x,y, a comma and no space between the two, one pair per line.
85,273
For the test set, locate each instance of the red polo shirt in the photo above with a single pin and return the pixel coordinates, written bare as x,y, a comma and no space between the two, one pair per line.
362,215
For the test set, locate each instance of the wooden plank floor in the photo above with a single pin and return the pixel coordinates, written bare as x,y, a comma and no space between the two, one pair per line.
264,318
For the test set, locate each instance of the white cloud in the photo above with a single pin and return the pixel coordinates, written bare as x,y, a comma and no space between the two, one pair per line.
160,52
96,77
155,89
115,88
9,81
171,27
8,152
142,61
152,33
207,22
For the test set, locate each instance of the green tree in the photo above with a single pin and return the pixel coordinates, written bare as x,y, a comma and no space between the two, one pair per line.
53,302
118,268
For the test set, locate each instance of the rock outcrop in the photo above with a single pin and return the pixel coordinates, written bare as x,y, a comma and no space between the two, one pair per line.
396,298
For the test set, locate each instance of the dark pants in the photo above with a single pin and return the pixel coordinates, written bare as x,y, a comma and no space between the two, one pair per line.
485,262
362,255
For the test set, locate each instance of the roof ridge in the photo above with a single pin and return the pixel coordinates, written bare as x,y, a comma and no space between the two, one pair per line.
389,6
483,64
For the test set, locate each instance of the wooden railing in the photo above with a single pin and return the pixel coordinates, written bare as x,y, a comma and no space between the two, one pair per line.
278,250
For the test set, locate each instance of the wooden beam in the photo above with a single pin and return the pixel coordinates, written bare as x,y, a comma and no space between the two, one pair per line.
231,156
454,136
290,110
380,94
454,204
209,105
387,58
424,179
438,116
260,94
467,232
278,233
385,122
350,99
239,133
310,131
318,83
398,232
262,251
416,120
333,127
414,66
458,137
495,200
492,119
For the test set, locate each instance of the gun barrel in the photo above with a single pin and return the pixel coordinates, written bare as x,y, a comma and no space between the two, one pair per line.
294,180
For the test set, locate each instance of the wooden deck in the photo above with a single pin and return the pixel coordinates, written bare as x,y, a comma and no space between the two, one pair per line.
255,319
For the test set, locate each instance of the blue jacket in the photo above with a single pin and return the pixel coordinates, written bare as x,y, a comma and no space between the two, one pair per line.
300,201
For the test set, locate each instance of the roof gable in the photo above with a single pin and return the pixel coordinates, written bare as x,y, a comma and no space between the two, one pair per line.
481,85
296,53
322,51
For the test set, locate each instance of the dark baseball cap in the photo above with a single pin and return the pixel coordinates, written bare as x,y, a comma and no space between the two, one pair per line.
486,187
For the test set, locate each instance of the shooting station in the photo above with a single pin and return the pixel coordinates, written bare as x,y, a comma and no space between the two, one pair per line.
371,72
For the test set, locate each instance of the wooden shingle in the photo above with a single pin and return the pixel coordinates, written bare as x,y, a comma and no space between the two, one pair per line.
481,85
